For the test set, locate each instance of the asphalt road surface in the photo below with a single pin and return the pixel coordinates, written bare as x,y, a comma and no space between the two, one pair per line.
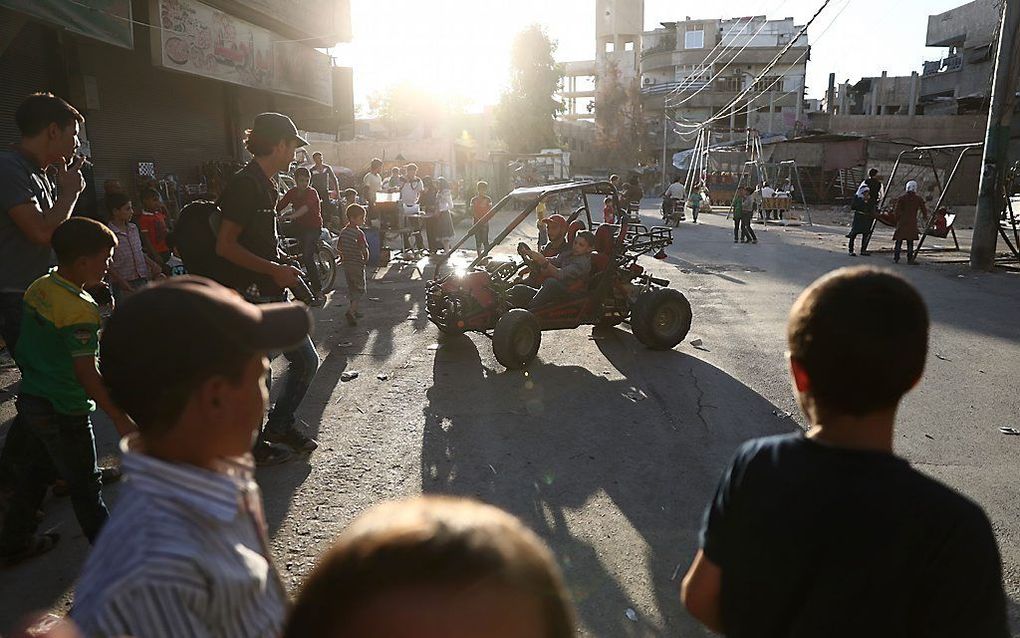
608,450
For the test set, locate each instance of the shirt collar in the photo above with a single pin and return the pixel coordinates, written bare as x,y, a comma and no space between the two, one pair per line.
64,283
218,494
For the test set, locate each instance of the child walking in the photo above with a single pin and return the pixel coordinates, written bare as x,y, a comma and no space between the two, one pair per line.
60,387
694,201
354,257
481,204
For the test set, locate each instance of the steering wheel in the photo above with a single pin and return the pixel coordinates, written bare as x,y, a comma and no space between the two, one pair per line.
506,271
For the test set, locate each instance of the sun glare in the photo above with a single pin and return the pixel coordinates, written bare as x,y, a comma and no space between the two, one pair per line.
456,50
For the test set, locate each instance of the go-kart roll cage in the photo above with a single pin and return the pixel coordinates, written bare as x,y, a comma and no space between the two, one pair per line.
638,239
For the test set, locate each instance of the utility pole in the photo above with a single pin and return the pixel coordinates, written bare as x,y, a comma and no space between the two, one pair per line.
665,121
996,151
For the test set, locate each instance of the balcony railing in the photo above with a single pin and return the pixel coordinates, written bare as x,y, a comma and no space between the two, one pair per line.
951,63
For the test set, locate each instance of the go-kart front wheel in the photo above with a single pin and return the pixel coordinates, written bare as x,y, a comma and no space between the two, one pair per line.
661,318
516,339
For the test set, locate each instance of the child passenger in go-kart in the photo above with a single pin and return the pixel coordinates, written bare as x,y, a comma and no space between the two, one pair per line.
556,226
563,271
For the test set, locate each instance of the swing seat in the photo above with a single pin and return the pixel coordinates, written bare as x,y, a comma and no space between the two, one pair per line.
887,218
942,224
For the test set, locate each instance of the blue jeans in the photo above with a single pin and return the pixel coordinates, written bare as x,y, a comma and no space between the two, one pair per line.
304,363
309,249
63,441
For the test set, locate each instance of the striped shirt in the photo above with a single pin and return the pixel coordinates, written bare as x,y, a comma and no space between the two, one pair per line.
353,245
184,554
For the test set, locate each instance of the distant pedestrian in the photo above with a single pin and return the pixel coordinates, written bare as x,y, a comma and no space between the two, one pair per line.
373,183
444,214
908,207
394,181
481,204
153,224
57,352
434,566
742,217
306,215
694,202
863,221
608,211
131,268
186,550
828,532
429,204
354,259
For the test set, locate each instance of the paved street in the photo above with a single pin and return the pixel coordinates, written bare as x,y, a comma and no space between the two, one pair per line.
609,451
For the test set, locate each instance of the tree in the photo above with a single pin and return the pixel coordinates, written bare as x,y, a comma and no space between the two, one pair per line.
621,134
404,107
528,108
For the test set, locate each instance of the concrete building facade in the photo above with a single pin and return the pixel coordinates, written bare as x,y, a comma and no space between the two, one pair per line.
961,80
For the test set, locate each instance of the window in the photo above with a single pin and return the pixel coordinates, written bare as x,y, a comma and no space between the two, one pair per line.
694,39
628,46
610,47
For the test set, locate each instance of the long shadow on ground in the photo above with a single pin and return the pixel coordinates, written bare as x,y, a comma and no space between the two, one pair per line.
545,443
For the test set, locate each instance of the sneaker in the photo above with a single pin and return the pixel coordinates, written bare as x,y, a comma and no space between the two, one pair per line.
754,241
865,253
292,438
852,254
266,454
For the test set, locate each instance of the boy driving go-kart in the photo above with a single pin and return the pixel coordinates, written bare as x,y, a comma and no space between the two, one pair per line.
564,274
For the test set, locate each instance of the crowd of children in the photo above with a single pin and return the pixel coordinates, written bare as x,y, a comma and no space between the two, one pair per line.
817,533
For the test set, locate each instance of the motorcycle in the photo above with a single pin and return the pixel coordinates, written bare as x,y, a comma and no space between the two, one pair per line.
672,211
327,256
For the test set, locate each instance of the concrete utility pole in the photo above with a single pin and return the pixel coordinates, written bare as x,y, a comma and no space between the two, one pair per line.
996,151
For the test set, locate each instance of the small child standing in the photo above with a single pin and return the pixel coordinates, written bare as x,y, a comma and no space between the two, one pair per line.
444,221
60,387
481,204
354,257
608,212
694,201
131,268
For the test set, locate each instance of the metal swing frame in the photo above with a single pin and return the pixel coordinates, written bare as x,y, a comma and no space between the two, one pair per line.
923,153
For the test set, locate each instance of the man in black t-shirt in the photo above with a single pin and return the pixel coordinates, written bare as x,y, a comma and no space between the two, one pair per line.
829,533
248,239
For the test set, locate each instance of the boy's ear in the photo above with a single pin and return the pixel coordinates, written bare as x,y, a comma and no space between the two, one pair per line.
800,376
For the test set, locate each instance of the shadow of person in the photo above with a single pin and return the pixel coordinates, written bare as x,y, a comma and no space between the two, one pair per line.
614,473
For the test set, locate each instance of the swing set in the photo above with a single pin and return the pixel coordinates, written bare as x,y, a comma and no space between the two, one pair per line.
940,221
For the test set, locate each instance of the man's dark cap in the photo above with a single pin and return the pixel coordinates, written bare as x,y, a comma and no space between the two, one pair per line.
276,126
181,325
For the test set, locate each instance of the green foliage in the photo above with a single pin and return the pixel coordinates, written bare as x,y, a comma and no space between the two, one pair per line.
528,108
621,134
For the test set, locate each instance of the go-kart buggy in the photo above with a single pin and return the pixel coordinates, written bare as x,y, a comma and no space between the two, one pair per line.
476,296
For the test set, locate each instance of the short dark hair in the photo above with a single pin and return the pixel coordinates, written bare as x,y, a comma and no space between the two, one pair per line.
482,185
861,335
260,145
587,236
78,237
873,172
149,193
376,163
356,211
319,153
301,170
114,201
37,111
437,542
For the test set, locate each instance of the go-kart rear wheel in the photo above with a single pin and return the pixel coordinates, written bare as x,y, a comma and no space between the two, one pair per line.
516,339
661,318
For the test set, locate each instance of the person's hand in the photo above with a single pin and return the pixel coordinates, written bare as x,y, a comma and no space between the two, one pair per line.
285,276
69,179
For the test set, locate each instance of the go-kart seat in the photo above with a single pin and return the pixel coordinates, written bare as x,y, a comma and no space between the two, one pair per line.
602,255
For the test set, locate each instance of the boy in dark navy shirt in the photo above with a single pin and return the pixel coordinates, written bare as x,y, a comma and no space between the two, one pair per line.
829,533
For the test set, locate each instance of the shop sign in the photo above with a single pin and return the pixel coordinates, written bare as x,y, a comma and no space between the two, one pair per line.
105,20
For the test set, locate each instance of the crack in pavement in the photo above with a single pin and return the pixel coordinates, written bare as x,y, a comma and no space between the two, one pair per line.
700,399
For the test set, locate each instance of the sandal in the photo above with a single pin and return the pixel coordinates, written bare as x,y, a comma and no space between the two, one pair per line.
39,544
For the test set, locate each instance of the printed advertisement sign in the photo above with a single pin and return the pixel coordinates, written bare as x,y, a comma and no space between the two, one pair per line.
196,38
